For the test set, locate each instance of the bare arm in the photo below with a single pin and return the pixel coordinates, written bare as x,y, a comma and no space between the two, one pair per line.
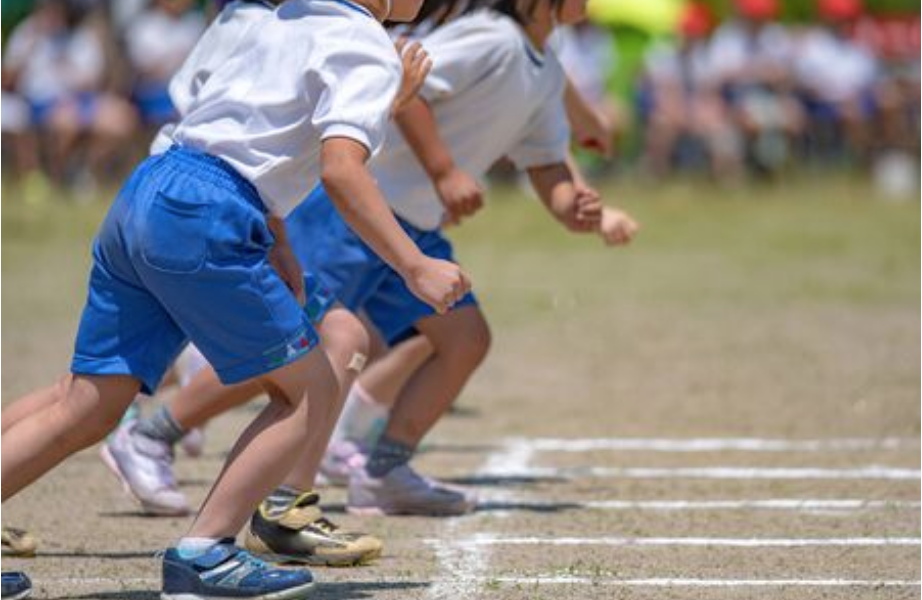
359,201
420,130
591,130
460,193
575,208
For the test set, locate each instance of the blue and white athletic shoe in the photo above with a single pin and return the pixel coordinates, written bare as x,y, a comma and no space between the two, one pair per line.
16,585
227,571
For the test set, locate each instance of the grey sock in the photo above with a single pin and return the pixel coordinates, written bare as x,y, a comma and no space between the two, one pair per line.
388,455
279,501
161,426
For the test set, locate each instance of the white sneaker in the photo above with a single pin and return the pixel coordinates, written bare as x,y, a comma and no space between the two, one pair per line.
341,459
145,468
404,492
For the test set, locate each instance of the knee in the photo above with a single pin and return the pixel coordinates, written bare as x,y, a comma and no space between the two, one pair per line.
469,347
357,338
92,419
347,341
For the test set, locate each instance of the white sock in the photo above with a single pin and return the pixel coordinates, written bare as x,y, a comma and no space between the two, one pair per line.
362,417
188,364
191,547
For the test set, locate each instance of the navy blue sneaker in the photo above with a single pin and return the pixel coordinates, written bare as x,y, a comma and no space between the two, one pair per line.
226,571
16,585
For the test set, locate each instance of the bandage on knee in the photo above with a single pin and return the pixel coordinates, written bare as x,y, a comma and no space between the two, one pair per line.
357,362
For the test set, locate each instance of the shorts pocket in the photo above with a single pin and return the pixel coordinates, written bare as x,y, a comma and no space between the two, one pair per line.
176,234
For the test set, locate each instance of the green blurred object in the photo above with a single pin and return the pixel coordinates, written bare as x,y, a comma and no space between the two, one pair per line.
652,16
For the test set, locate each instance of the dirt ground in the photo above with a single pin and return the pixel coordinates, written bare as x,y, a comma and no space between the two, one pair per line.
729,409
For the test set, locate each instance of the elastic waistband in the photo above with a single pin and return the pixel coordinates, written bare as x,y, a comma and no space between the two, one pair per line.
219,170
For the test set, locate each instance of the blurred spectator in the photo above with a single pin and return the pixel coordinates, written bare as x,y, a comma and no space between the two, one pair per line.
19,134
837,77
158,41
680,101
58,66
750,57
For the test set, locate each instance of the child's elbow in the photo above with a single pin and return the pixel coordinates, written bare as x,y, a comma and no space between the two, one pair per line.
334,174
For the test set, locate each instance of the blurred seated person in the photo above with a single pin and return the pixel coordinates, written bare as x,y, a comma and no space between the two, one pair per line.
751,58
18,138
58,66
836,76
680,101
158,40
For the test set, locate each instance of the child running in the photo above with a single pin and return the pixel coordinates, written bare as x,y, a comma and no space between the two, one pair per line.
139,449
495,90
195,248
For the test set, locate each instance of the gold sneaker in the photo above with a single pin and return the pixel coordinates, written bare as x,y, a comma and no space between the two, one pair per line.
17,542
303,535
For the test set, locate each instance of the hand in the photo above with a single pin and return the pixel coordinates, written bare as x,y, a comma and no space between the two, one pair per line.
438,283
584,213
286,264
617,227
460,193
588,208
416,66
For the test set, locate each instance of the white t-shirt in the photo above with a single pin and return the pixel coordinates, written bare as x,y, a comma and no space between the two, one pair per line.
158,43
54,66
734,48
311,70
213,49
492,95
666,64
835,68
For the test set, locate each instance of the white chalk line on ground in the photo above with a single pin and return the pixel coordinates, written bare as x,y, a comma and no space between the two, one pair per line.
693,582
715,472
462,568
845,505
557,580
712,444
682,541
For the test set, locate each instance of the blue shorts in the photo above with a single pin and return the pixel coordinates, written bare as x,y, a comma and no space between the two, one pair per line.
85,103
359,279
183,256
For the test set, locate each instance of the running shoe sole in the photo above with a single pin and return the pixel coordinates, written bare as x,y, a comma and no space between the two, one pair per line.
296,593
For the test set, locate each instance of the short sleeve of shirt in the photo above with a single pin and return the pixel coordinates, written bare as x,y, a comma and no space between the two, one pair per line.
461,58
547,140
355,87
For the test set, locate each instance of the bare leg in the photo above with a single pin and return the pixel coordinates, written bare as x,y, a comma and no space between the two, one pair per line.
83,411
386,377
206,397
461,340
343,337
27,405
268,448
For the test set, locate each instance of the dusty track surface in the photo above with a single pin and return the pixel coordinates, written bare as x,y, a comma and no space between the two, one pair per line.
665,424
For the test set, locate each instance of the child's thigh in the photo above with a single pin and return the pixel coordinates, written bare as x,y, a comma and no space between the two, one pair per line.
124,331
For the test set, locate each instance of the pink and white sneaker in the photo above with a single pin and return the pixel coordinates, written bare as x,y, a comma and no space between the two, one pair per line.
145,468
403,491
342,458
